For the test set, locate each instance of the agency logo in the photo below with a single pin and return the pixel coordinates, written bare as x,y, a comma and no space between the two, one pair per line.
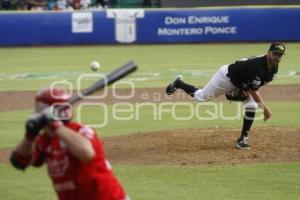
125,23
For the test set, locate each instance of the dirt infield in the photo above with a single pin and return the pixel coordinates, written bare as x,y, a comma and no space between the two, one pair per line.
187,146
200,146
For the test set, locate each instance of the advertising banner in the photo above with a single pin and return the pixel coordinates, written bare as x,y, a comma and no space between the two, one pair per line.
141,26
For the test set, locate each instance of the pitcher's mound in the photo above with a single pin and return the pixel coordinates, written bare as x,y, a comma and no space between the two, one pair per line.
204,146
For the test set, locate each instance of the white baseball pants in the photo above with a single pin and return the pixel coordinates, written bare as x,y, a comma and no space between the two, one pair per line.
218,85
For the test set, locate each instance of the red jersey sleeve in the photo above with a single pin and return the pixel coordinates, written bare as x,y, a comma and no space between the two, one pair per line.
39,151
91,135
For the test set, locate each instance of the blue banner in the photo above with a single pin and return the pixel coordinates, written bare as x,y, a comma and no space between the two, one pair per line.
150,26
241,24
54,28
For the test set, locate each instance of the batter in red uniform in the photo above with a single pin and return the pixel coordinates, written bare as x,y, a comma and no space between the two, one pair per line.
72,152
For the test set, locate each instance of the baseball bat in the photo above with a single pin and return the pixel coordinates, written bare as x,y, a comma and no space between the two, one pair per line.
107,80
112,77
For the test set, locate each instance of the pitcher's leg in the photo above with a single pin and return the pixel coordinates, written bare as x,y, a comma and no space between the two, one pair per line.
219,84
178,83
250,108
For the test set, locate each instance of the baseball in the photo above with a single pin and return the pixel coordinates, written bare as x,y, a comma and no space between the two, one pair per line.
94,65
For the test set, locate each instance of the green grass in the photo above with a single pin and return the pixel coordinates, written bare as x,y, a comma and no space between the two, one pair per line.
12,127
17,185
261,181
143,119
248,182
31,68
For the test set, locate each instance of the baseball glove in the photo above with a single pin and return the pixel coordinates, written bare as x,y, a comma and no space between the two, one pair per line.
237,95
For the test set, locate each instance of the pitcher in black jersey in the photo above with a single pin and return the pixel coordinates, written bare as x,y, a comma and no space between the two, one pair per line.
239,81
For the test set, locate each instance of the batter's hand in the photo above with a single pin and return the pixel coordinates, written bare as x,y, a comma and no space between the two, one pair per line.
34,125
36,122
267,114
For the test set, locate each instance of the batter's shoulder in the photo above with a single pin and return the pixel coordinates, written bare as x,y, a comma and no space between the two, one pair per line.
82,129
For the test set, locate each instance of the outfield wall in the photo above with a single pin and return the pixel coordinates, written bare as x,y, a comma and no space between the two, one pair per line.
150,26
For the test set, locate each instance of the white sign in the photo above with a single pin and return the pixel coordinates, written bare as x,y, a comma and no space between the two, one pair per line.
82,22
125,23
196,25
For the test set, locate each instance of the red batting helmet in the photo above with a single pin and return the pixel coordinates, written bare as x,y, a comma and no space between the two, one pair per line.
52,96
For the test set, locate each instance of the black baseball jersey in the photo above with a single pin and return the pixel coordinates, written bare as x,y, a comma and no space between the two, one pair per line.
251,73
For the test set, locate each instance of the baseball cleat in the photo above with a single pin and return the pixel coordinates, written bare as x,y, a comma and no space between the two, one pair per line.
171,88
242,143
